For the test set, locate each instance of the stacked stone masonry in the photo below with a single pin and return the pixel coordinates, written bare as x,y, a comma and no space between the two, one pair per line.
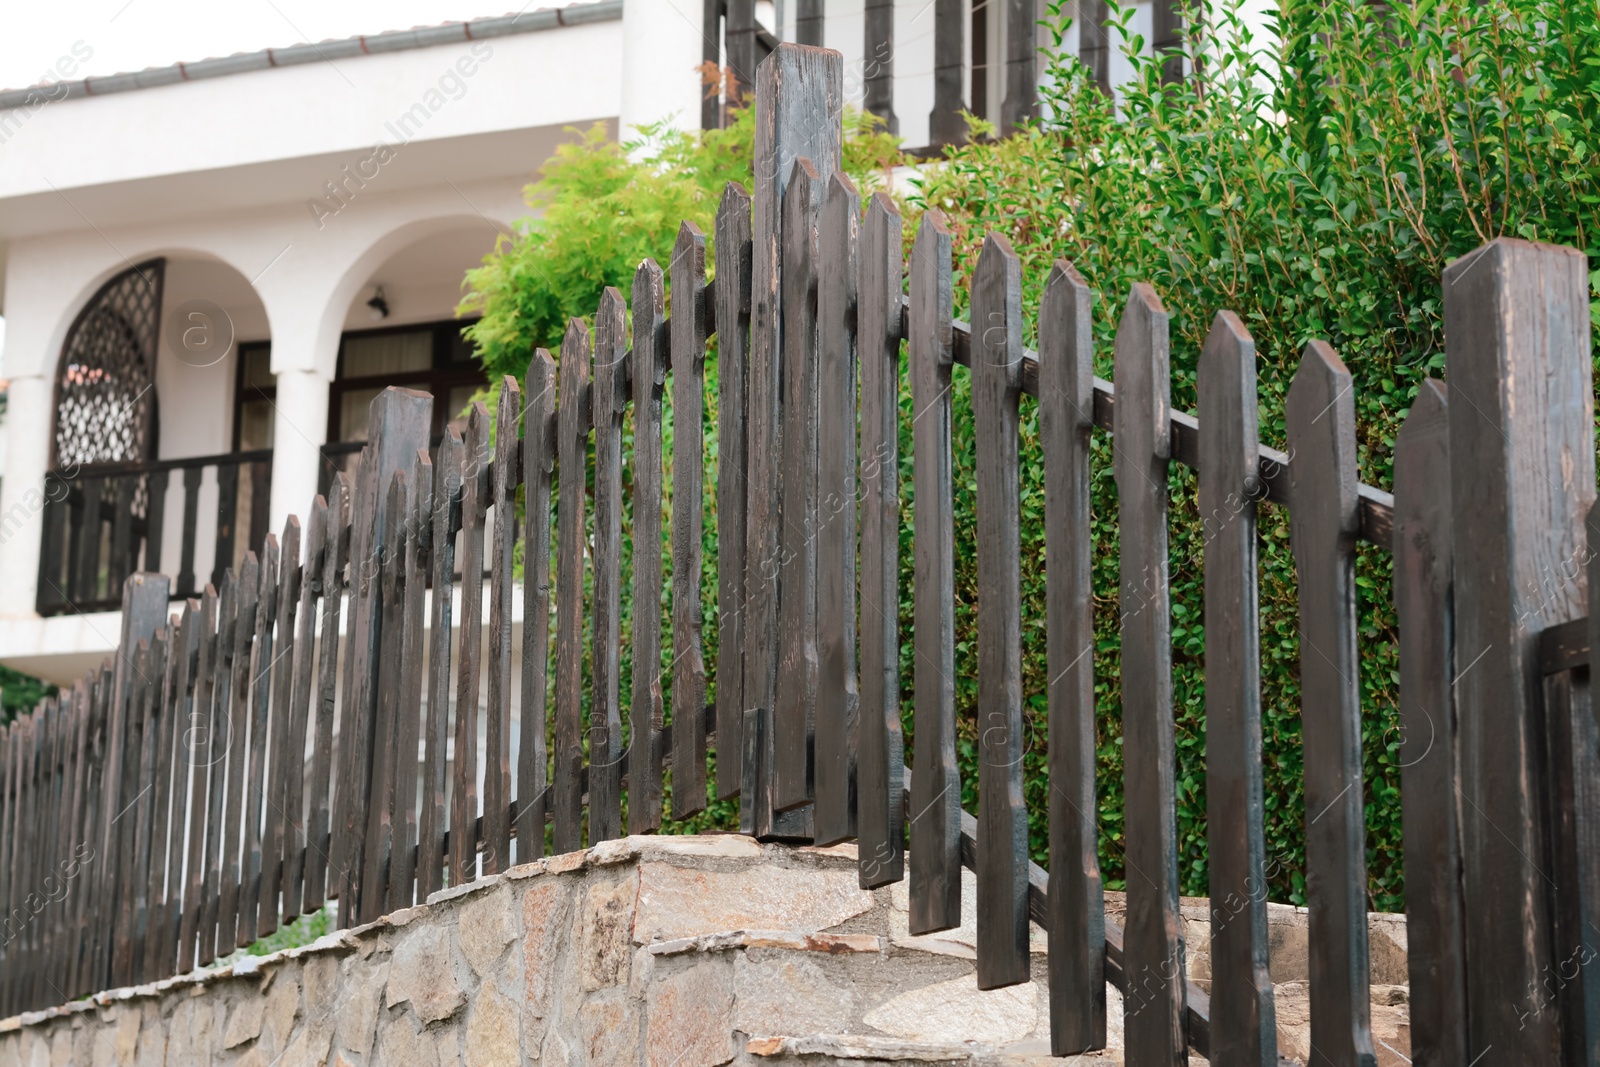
645,952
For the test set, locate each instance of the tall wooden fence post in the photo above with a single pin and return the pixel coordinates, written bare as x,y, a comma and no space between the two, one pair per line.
1521,480
399,422
799,114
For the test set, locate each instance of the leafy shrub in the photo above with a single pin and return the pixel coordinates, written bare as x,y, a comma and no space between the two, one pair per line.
1318,191
1316,184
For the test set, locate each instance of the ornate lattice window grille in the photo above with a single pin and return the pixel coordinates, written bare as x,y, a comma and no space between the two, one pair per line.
105,405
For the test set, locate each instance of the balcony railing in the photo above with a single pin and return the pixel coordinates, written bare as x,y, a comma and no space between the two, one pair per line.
189,518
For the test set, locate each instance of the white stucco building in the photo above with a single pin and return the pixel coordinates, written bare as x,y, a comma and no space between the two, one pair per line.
207,270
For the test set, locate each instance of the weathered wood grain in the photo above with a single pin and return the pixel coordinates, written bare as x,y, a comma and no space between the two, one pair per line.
1243,1020
360,661
645,714
1521,479
837,723
799,113
300,704
572,441
260,705
1077,913
794,713
880,758
464,788
1320,418
497,736
219,744
731,298
378,846
244,628
608,405
1429,775
196,752
935,813
1002,814
403,820
1155,947
688,329
445,520
538,460
335,558
275,816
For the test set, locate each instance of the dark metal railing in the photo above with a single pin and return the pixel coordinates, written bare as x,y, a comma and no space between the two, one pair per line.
102,524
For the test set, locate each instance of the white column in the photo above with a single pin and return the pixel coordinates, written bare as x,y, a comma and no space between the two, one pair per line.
300,428
662,45
28,422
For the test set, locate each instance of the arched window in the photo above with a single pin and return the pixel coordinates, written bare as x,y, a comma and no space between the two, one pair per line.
105,385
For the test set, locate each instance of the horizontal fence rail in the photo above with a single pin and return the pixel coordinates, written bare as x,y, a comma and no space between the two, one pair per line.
374,704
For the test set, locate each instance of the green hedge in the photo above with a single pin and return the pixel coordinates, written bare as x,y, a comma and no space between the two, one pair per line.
1317,189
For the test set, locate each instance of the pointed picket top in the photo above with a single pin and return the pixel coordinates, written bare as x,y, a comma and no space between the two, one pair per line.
1066,345
801,197
840,186
881,204
931,291
649,321
610,381
1321,412
1143,412
735,197
997,342
1227,372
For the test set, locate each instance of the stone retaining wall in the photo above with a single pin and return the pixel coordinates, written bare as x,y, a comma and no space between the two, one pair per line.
646,952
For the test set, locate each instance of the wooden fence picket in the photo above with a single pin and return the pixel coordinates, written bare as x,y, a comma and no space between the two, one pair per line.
936,788
195,748
538,460
218,744
378,850
572,439
688,353
1242,1012
838,708
645,715
279,757
1429,774
403,819
320,818
464,790
880,756
1321,422
255,782
731,298
1154,954
300,702
249,593
1002,817
502,544
795,702
608,405
445,519
1077,977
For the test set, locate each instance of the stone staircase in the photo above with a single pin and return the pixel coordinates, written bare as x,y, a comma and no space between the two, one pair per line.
649,952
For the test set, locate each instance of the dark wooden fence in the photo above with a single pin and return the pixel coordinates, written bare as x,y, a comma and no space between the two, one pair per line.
259,754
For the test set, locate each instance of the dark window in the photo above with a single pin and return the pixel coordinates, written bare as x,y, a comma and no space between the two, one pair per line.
432,357
255,394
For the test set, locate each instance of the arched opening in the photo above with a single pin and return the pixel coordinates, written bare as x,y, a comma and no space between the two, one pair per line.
400,329
105,405
125,493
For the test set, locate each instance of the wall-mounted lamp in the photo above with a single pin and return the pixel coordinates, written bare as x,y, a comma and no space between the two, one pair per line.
379,306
